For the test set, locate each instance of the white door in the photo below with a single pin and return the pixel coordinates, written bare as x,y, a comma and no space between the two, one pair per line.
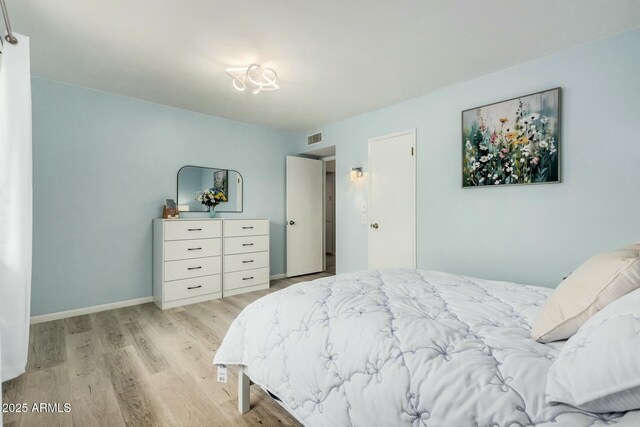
392,201
304,216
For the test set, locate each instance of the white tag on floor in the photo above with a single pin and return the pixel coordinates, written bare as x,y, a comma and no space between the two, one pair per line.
222,374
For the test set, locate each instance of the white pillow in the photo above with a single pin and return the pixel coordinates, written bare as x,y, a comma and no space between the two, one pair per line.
600,280
598,369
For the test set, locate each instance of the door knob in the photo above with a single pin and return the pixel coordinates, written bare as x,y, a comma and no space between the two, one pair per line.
375,225
291,222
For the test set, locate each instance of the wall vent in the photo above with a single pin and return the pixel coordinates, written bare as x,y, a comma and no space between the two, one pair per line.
314,139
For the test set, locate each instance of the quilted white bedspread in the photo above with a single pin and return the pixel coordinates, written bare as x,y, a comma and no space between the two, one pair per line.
403,348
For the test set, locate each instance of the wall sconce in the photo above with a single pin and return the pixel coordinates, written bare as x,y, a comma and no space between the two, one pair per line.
356,173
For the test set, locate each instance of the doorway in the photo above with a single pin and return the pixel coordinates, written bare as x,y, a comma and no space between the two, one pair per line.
330,215
392,201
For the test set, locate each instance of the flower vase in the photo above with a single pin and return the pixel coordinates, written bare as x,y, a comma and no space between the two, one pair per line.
212,212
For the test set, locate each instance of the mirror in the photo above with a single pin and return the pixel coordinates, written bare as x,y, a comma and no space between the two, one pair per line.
194,180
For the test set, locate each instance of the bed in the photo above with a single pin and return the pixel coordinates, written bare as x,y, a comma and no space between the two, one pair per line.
402,347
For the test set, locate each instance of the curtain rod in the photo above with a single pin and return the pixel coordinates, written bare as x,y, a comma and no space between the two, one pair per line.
9,37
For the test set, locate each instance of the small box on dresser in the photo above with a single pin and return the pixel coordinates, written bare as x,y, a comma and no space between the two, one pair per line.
246,255
187,265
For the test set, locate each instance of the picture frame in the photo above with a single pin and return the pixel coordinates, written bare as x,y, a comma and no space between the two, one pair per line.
512,142
221,181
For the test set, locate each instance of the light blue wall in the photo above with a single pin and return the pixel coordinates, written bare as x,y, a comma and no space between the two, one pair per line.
528,234
103,165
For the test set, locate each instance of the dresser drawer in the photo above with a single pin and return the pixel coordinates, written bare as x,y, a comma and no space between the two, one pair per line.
184,230
241,262
187,249
243,245
192,287
184,269
246,227
241,279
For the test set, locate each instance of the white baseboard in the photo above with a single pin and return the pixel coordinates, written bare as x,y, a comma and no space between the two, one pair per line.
88,310
104,307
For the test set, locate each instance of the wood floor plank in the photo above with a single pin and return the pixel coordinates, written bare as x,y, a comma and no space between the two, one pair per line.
223,311
47,385
109,332
236,302
48,347
194,326
185,352
87,370
126,314
97,410
136,400
13,392
152,358
158,318
246,299
197,360
78,324
189,405
218,322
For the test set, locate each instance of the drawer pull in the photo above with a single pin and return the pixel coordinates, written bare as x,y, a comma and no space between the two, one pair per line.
195,229
194,249
247,244
194,268
247,261
247,228
247,278
194,287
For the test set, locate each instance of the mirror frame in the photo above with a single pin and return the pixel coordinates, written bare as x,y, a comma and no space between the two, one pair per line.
207,167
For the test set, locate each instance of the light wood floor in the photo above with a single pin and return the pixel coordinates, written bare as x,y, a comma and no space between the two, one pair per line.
139,366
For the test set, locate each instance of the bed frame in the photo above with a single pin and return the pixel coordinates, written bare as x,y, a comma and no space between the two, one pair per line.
243,390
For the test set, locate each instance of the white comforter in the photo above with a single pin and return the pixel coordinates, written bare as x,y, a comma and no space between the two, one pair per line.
403,348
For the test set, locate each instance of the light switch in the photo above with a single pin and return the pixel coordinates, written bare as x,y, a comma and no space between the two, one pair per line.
363,207
363,219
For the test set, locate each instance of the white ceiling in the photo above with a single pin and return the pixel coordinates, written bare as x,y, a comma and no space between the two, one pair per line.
334,58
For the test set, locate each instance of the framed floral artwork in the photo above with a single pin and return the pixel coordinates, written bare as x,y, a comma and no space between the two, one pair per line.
221,180
512,142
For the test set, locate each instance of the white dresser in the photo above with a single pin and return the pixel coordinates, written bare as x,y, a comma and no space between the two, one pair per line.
200,259
246,255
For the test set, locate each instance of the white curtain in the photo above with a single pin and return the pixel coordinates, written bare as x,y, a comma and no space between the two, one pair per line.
16,207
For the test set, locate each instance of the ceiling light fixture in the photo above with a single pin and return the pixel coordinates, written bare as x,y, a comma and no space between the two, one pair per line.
253,76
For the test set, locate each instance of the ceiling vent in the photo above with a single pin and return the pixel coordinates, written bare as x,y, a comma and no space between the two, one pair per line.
314,139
